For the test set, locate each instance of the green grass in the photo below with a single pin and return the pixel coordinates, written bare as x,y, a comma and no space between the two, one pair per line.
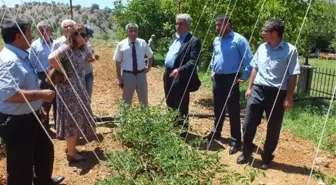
331,64
306,121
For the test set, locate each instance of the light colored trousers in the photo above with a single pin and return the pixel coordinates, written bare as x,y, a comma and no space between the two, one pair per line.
135,82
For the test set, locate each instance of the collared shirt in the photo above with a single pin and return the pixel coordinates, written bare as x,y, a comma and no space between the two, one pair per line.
272,63
57,43
229,52
123,54
16,72
174,49
42,51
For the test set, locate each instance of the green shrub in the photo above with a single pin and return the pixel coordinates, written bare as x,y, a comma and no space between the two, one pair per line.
156,153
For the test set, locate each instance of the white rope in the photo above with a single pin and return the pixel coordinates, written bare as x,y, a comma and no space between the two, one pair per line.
223,27
197,56
283,79
76,94
235,79
28,103
56,90
321,137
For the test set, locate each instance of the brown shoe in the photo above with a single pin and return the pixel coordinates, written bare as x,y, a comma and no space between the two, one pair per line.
75,159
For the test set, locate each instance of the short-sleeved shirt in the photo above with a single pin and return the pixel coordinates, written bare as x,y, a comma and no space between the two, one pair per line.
229,52
123,54
272,63
16,72
57,43
41,50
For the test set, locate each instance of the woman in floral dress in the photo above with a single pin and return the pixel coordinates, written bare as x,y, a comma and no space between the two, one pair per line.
74,114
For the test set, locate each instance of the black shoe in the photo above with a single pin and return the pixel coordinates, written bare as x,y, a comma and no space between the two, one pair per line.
57,180
234,149
242,159
264,166
215,135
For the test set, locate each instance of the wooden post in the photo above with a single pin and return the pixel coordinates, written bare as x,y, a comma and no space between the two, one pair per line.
71,10
305,80
179,6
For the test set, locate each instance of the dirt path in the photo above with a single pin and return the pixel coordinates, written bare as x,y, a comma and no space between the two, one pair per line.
293,160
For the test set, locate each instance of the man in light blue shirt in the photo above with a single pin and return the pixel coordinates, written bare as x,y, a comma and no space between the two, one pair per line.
271,88
27,146
38,55
231,53
174,49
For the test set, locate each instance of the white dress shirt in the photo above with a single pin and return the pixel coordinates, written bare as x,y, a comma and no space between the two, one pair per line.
123,54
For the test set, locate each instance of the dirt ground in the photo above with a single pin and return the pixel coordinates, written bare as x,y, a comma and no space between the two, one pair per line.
294,156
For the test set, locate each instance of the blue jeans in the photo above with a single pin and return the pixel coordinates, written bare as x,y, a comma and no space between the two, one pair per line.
89,83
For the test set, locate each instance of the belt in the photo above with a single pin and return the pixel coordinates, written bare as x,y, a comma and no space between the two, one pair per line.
136,72
21,115
268,87
231,74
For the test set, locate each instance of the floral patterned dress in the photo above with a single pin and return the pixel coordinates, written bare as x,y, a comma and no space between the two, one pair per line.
74,111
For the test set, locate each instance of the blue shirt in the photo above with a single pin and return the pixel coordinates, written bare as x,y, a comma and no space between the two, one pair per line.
16,73
42,51
272,63
229,52
174,49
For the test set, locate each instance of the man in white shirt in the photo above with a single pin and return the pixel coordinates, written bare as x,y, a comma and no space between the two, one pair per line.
66,25
130,59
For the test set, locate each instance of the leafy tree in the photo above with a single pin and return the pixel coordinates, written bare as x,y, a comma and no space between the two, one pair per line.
107,9
95,7
77,7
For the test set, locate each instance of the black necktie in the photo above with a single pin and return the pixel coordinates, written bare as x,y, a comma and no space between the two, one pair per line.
134,56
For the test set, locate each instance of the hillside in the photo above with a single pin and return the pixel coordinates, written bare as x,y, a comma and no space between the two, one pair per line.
56,12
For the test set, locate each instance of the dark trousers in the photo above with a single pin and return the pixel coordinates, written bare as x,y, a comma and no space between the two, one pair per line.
30,153
262,99
174,96
221,87
47,105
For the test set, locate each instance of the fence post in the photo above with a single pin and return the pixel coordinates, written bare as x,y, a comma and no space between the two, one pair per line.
305,80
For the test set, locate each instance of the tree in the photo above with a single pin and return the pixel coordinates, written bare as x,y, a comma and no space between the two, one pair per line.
107,9
77,7
95,7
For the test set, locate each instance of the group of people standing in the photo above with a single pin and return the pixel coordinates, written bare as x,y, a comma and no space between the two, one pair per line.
31,76
34,76
272,73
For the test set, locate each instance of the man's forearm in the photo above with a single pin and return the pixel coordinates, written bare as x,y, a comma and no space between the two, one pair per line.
150,62
252,77
118,68
30,95
291,86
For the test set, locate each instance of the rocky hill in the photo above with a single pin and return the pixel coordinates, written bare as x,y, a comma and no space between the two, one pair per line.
54,13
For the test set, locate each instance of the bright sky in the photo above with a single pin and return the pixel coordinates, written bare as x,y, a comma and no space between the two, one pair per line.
83,3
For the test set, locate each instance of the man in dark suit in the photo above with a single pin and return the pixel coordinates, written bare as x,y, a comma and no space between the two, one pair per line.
180,77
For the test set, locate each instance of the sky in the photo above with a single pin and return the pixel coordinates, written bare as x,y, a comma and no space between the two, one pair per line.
83,3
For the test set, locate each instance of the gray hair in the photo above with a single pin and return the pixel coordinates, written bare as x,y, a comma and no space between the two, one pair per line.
186,17
43,24
67,21
131,25
274,25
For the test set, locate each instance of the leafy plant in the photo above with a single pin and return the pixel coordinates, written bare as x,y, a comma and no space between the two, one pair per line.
156,154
